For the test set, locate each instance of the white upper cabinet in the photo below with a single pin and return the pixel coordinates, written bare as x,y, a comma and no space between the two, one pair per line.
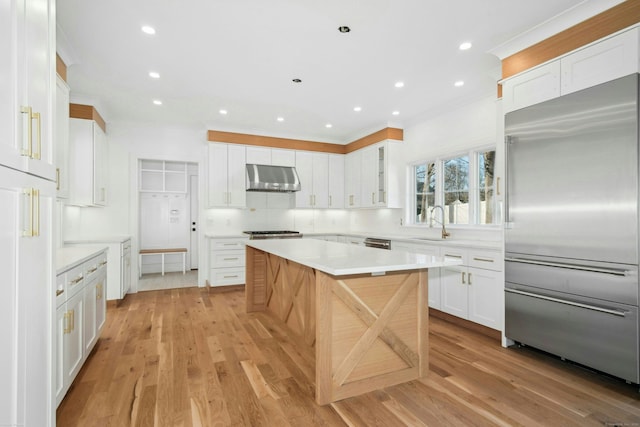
227,175
61,131
258,155
601,62
27,74
336,181
313,171
531,87
353,168
89,157
281,157
379,185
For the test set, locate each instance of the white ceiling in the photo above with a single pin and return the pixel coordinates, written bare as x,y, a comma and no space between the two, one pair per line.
241,56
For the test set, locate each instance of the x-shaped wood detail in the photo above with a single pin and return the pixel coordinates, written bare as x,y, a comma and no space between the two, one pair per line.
376,326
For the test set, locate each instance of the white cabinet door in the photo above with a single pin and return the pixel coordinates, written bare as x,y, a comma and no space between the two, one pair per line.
353,169
237,182
88,156
100,166
74,346
531,87
336,181
454,288
320,180
61,132
368,176
280,157
434,295
59,343
218,175
485,297
601,62
227,175
258,155
304,167
101,302
89,329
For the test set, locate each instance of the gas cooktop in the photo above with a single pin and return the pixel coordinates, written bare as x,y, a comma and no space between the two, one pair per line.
273,234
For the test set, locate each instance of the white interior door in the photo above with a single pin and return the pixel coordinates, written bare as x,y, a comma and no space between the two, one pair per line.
193,221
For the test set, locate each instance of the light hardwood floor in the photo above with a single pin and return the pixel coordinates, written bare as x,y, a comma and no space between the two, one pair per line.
187,357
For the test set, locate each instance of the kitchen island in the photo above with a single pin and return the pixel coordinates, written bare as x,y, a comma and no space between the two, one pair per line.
364,310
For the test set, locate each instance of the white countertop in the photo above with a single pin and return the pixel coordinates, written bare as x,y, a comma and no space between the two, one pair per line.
339,259
484,244
69,257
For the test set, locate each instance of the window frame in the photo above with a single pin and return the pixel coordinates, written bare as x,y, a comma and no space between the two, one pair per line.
473,186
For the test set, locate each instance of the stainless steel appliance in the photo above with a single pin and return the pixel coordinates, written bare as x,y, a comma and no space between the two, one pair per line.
571,227
273,234
268,178
372,242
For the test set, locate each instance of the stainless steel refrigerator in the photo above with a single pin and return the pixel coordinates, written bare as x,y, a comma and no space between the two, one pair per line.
571,227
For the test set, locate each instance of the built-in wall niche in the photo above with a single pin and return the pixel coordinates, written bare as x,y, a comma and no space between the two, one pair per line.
159,176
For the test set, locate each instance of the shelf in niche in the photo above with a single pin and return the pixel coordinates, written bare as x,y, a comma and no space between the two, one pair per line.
158,176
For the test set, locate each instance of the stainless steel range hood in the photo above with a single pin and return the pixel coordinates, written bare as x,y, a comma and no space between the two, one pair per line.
267,178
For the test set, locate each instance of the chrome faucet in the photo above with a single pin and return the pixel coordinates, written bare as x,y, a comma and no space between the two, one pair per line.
445,234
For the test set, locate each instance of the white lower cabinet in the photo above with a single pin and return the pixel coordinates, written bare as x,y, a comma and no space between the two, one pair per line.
227,261
80,317
474,290
434,273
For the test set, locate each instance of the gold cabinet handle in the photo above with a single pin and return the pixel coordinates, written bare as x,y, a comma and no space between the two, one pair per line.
76,280
38,154
57,178
29,150
230,259
463,278
33,229
230,277
452,256
92,270
483,259
498,186
59,292
469,278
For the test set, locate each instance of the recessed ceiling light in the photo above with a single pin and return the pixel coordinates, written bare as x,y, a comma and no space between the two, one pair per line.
157,102
280,119
399,84
148,30
464,46
357,109
154,75
328,125
296,80
396,113
459,83
223,112
344,29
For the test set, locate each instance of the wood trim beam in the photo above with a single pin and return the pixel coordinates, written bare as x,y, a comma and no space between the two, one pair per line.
608,22
299,144
61,68
270,141
374,138
87,112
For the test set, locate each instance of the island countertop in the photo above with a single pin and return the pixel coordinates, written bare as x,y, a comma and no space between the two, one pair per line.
339,259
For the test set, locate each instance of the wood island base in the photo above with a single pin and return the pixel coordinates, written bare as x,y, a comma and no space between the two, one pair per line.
368,331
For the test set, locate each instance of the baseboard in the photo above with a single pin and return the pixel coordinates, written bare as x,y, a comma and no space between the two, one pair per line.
481,329
221,289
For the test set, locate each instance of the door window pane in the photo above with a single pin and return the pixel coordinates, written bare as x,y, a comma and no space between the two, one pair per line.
456,190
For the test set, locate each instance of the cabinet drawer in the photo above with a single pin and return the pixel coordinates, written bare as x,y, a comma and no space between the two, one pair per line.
227,244
223,259
61,295
455,253
74,280
226,276
488,260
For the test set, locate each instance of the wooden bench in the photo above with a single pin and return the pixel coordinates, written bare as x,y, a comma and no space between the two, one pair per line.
162,253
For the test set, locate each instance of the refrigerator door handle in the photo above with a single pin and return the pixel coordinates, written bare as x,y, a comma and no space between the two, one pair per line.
619,313
508,140
613,271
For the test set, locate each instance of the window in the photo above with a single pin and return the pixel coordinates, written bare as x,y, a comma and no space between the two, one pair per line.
463,185
425,191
